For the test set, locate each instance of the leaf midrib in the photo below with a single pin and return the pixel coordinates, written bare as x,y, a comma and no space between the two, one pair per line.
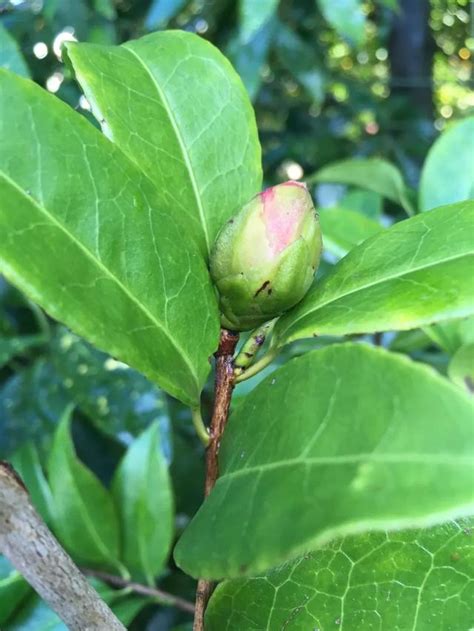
373,284
181,143
354,459
106,271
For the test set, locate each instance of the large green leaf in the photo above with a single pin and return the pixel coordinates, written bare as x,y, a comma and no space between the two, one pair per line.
448,172
83,233
337,441
10,55
85,517
346,16
174,104
143,495
411,580
344,229
373,174
417,272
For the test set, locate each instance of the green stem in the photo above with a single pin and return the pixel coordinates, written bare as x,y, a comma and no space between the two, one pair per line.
199,426
258,366
249,350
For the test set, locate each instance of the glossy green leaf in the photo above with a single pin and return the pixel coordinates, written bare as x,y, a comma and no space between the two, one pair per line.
10,55
12,346
448,172
346,17
13,590
461,367
372,174
344,229
254,15
342,440
27,464
414,580
417,272
85,517
142,492
174,104
83,234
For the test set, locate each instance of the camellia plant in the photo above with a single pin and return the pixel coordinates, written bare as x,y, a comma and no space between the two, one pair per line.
339,491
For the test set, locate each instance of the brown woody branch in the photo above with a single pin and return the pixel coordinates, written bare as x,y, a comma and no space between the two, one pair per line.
224,385
27,543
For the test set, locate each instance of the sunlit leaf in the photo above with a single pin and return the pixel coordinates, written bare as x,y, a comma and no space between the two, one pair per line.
83,234
345,439
411,580
174,104
417,272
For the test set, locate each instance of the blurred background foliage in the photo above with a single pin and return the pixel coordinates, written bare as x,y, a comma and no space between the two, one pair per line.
330,80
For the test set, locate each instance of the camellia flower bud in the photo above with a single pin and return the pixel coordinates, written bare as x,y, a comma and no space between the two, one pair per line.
265,258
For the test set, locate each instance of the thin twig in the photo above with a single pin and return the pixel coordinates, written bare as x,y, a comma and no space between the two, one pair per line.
224,386
31,548
165,598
